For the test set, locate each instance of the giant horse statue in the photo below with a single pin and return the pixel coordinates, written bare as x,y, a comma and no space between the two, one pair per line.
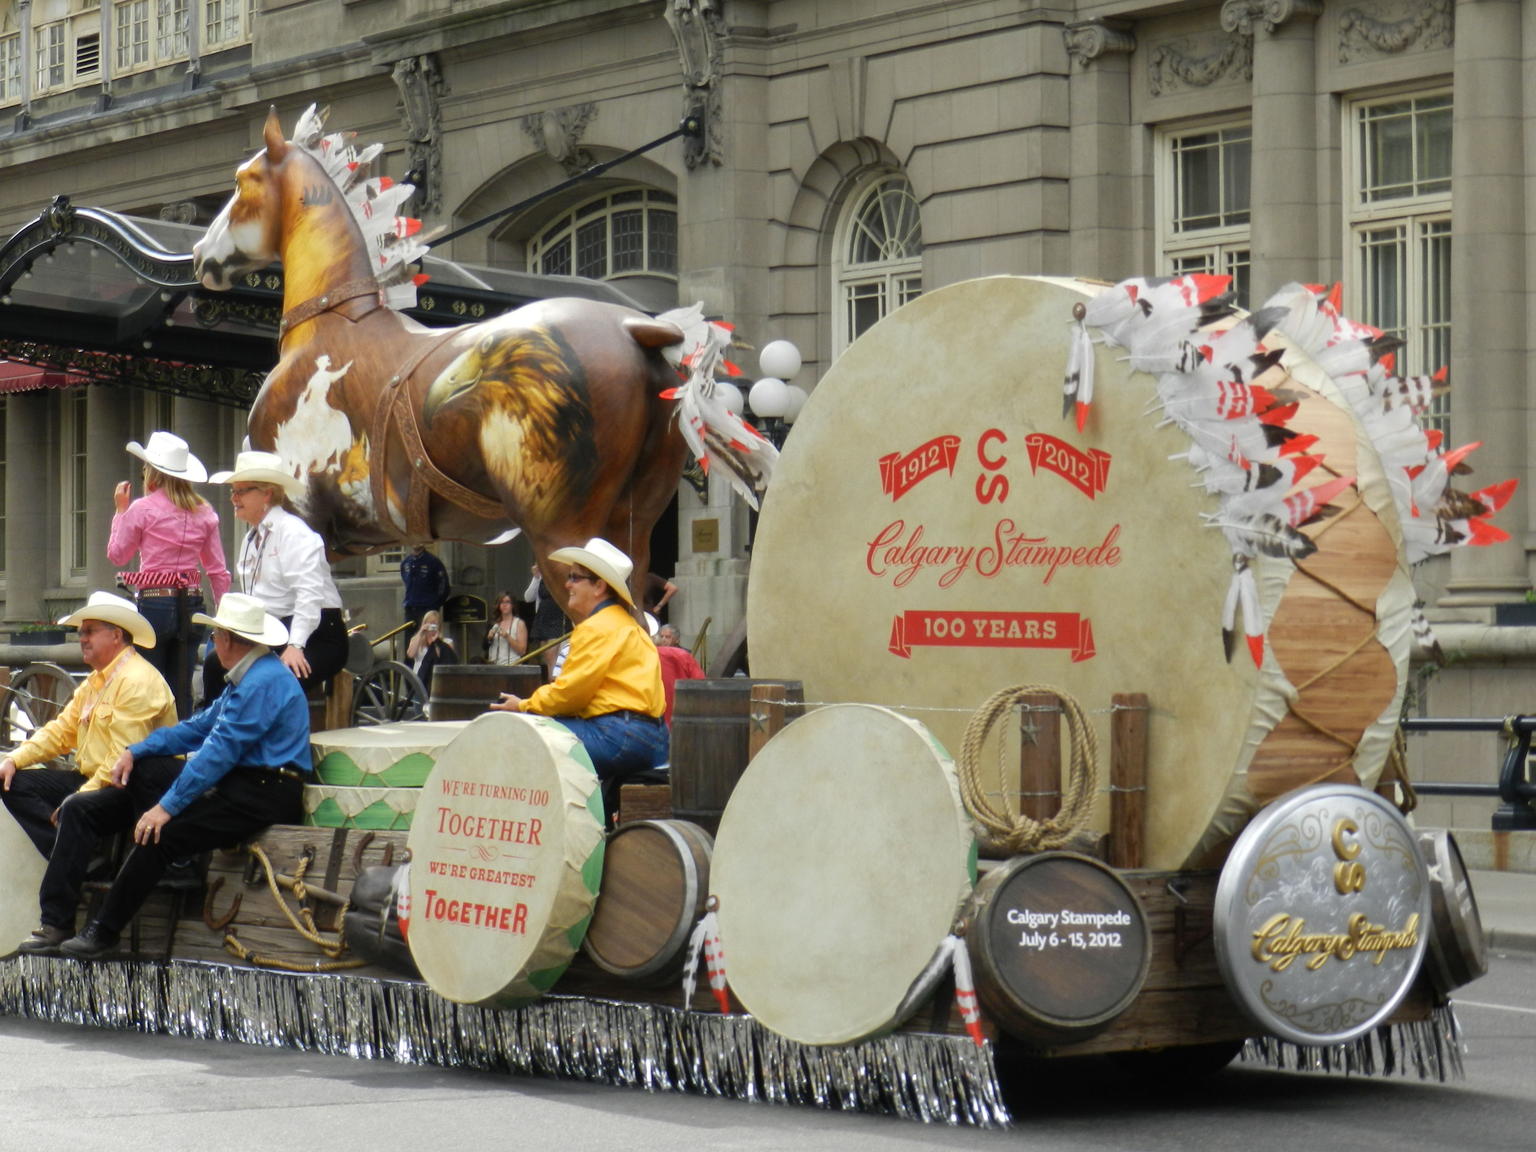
562,419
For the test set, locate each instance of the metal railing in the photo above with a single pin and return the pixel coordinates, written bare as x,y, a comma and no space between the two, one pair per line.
1515,788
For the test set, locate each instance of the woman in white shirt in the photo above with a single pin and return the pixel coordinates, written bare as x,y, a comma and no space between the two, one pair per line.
282,563
507,639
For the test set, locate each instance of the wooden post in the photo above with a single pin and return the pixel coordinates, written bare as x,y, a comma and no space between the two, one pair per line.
338,706
1127,778
766,716
1040,756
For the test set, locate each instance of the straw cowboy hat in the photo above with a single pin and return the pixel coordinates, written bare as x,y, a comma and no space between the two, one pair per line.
244,616
261,468
604,561
110,609
167,452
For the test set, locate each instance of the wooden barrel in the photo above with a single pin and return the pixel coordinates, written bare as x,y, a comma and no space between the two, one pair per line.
711,728
1458,948
464,691
655,883
1059,944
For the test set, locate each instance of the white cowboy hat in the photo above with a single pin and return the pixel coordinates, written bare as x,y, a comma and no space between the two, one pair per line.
652,625
261,468
245,616
110,609
602,559
167,452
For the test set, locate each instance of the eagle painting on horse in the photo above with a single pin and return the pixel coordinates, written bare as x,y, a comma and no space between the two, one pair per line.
564,419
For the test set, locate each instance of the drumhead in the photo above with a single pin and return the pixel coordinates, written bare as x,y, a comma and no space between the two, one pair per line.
506,856
973,539
24,866
842,859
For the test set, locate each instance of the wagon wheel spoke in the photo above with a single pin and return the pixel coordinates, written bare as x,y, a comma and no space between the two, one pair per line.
37,694
389,693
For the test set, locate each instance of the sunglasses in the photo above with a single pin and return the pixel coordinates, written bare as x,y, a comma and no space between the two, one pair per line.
577,577
244,491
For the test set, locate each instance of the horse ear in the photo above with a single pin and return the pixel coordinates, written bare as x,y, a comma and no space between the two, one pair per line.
277,147
653,333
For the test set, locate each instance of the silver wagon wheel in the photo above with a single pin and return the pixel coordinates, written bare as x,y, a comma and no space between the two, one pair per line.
389,692
37,694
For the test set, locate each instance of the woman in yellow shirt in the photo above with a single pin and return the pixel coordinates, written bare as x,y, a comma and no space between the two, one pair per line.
609,691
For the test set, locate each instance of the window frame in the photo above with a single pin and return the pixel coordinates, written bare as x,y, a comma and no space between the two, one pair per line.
1223,249
74,451
894,280
567,227
1426,246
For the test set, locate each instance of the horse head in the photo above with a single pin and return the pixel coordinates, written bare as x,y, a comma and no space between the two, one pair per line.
247,234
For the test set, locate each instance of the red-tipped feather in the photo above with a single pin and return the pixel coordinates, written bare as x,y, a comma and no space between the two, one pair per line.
1256,649
1482,532
1297,444
1495,496
1082,415
1281,415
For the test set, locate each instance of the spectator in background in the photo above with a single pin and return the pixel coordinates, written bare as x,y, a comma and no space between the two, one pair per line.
549,623
507,639
173,530
658,592
426,584
677,663
429,648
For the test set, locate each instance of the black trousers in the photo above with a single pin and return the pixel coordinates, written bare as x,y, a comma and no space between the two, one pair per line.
84,819
33,795
326,651
244,802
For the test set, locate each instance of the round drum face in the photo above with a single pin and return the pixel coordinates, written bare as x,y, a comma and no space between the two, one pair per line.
24,867
1322,914
506,855
842,859
973,538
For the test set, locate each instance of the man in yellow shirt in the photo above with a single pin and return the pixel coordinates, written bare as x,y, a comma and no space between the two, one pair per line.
121,701
609,691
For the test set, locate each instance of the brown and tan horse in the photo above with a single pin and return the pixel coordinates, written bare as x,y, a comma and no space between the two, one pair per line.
548,419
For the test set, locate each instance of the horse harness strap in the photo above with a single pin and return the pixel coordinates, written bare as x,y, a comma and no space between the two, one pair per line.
395,407
337,296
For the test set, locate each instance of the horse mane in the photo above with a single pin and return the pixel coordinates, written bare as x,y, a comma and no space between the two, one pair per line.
393,241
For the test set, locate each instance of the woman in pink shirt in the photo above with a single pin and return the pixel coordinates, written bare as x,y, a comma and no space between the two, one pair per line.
174,531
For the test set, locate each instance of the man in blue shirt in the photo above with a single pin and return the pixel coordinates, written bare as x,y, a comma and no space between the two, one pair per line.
247,759
426,584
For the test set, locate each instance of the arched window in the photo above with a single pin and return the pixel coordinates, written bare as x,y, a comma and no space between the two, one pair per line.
631,232
879,263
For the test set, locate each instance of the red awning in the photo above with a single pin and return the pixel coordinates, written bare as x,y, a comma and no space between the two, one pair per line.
18,377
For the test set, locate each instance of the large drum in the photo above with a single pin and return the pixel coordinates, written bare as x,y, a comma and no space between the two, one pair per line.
381,756
374,809
973,539
506,854
23,869
655,882
842,861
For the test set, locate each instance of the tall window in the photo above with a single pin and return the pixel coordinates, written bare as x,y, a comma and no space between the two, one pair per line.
3,415
76,546
222,20
10,69
1205,193
50,56
171,29
631,232
1400,227
879,264
132,35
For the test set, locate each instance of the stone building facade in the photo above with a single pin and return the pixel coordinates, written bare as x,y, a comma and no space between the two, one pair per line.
857,152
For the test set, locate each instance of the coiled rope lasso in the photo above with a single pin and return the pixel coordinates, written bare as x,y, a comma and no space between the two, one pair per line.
1004,831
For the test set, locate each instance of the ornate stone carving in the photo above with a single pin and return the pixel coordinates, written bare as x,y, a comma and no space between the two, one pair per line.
1174,64
421,89
558,133
1248,16
698,26
1089,40
179,212
1364,30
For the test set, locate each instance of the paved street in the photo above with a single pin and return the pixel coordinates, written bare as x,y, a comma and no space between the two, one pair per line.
91,1090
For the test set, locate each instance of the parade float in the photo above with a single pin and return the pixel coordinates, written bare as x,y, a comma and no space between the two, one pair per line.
1080,622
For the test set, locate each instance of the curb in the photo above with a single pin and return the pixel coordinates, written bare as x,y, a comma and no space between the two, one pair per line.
1511,940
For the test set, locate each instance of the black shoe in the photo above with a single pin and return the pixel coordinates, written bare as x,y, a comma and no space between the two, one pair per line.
93,941
44,941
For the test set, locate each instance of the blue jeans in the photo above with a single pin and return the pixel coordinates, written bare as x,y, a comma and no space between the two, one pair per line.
621,742
176,642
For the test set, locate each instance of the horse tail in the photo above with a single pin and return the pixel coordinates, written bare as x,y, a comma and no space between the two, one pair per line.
713,432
